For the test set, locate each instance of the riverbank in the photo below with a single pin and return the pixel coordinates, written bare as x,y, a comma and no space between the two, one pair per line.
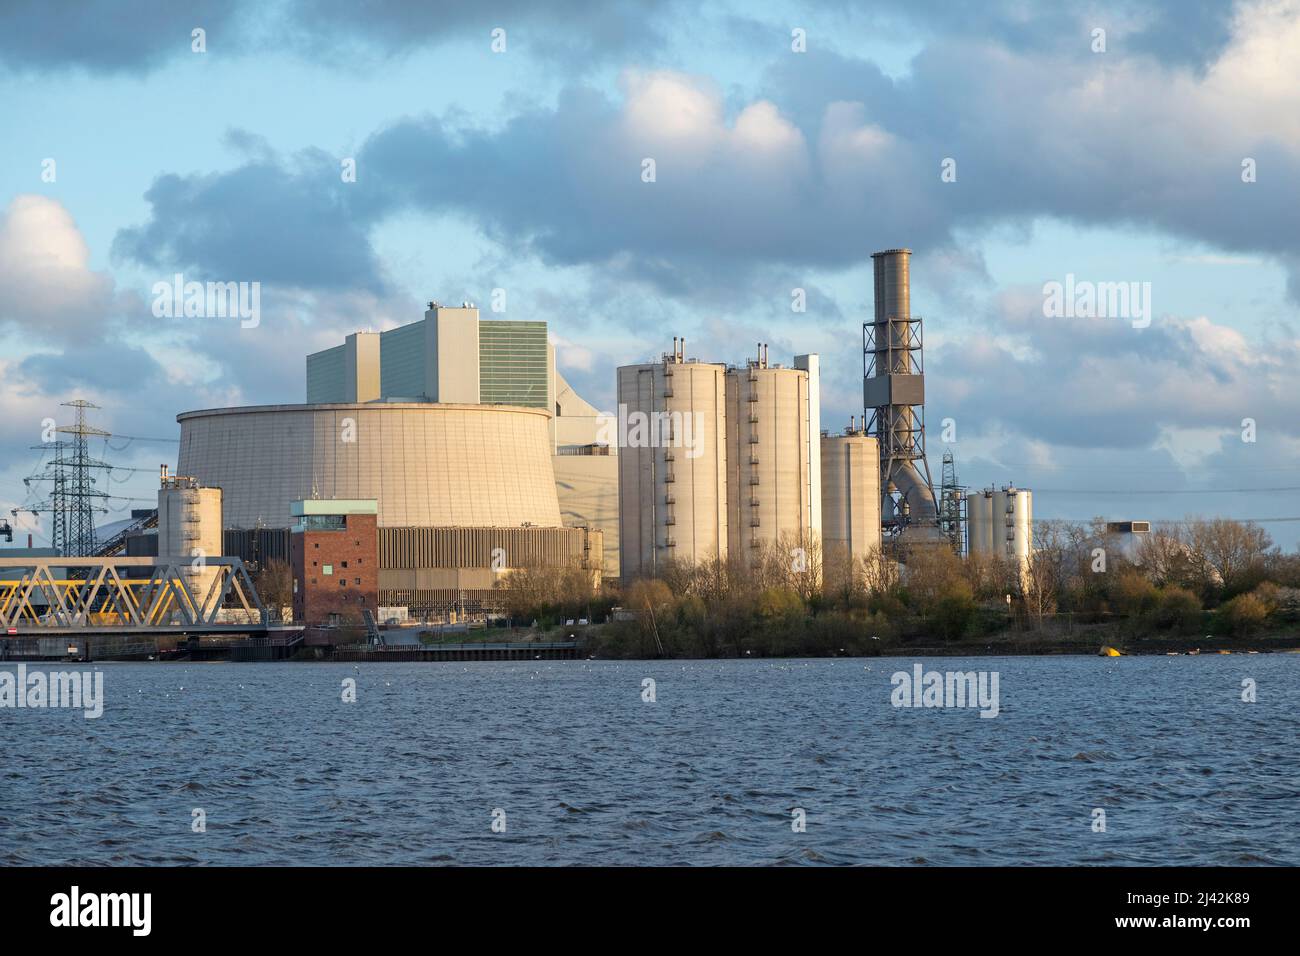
613,641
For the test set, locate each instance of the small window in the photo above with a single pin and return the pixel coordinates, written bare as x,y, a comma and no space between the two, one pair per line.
343,563
313,564
358,582
360,561
316,545
313,580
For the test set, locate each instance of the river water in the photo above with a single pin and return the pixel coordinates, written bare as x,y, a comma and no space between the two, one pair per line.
574,765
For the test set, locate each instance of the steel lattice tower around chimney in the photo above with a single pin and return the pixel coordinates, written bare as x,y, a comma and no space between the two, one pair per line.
894,400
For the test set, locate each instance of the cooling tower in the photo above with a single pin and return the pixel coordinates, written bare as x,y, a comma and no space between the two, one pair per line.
894,401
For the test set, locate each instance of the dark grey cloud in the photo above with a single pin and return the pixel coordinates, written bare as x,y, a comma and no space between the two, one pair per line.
1184,32
109,35
573,35
103,366
576,33
279,222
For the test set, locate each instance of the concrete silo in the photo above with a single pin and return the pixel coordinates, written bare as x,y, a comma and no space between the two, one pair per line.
672,463
850,499
772,450
190,530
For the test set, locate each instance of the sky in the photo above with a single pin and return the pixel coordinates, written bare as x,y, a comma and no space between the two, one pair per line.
503,146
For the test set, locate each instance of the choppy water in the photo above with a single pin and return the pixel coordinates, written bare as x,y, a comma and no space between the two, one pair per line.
588,773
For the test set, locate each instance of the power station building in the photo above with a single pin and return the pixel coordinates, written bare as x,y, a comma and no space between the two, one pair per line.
475,455
463,493
453,357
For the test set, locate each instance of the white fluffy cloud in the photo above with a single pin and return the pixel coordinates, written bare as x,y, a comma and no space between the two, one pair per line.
48,291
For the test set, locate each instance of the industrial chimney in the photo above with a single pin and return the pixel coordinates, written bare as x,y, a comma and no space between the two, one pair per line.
894,401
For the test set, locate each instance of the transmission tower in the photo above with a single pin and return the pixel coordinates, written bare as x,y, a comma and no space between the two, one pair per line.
84,501
73,501
952,505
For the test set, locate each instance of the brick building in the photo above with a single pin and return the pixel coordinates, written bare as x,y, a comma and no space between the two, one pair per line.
334,552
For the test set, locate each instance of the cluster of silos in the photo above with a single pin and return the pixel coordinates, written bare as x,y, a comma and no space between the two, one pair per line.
1000,522
672,463
190,531
850,479
715,462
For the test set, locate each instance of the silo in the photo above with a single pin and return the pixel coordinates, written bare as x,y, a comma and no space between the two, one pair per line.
189,531
672,459
1013,511
1001,523
979,517
769,458
850,500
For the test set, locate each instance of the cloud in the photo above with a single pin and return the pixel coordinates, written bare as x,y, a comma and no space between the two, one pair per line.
1100,384
287,222
106,35
833,160
47,288
825,162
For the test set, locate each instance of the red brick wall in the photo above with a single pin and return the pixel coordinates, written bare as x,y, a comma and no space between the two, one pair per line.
317,595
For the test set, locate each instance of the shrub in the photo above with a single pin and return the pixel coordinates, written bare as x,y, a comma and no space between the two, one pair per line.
1132,594
1178,610
1241,615
952,612
779,603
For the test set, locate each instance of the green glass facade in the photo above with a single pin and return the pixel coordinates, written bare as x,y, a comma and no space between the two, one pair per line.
512,363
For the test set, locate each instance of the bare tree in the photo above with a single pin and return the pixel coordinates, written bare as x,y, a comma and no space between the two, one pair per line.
880,572
1225,549
274,584
1166,557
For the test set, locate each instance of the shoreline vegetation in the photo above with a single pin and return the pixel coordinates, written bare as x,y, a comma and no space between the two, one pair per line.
1198,586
